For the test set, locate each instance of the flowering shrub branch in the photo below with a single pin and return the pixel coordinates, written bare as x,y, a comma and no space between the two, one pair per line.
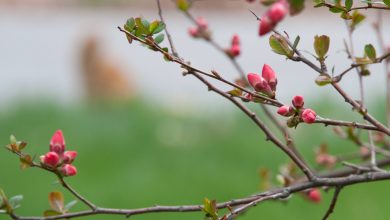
256,88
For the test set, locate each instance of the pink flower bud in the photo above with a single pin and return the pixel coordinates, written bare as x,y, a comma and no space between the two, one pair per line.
69,156
286,110
270,76
314,195
308,116
50,159
193,31
266,25
57,143
259,83
68,170
235,40
202,23
234,51
277,12
249,96
326,160
298,101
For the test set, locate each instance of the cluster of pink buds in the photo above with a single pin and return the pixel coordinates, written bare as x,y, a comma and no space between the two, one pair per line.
314,195
201,29
58,158
305,114
235,48
266,83
273,16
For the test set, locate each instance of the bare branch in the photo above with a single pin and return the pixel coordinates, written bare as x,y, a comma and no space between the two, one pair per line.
332,203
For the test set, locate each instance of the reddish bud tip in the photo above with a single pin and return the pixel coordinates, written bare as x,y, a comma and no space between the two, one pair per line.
266,25
69,156
50,159
286,110
298,101
234,51
269,75
68,170
314,195
57,142
308,116
277,12
193,31
202,23
235,40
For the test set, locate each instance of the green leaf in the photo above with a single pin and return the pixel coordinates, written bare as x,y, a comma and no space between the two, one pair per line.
12,139
159,38
210,208
280,46
56,200
70,205
153,26
50,212
323,80
321,45
357,18
159,28
130,24
235,92
387,2
336,9
183,5
296,6
142,27
348,4
370,52
296,42
14,202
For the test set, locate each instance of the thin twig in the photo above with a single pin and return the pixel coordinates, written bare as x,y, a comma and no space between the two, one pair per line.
332,203
173,49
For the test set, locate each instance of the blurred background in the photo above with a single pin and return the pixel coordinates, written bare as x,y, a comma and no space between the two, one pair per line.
147,135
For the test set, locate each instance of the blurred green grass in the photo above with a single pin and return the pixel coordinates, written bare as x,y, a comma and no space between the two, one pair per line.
136,155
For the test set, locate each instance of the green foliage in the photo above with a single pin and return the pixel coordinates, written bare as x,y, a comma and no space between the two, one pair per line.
386,2
280,46
370,52
210,208
321,46
296,6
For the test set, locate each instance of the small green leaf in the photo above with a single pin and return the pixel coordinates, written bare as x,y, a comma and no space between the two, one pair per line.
159,38
142,27
370,52
235,92
14,202
387,2
153,26
321,45
130,24
296,6
12,139
280,46
210,208
159,28
183,5
296,42
348,4
50,212
336,9
70,205
356,18
323,80
56,200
